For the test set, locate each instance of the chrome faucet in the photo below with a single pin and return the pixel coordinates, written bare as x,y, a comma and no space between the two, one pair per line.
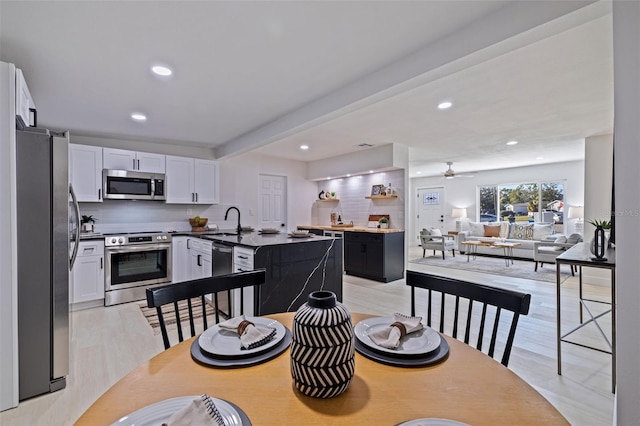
239,229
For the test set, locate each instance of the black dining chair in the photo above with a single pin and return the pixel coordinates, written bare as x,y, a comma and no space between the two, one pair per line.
157,297
464,296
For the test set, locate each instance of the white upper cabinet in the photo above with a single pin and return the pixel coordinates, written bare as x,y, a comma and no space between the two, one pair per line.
24,101
191,181
206,181
122,159
85,172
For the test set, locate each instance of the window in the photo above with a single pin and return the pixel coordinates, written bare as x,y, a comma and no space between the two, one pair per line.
532,202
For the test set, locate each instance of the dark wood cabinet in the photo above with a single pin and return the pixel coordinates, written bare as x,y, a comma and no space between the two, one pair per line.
376,256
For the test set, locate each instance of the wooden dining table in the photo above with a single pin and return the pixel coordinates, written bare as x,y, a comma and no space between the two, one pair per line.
468,386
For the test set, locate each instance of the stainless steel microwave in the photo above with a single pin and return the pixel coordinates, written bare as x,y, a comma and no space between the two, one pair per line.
128,185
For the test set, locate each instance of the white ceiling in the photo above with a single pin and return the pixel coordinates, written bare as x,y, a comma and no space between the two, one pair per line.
271,76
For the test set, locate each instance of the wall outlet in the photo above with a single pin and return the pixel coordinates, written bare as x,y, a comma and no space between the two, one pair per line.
189,212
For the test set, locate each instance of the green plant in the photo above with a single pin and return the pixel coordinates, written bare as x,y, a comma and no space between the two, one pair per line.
605,224
88,219
383,220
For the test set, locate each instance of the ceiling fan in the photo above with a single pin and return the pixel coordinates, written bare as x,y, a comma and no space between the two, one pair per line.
450,173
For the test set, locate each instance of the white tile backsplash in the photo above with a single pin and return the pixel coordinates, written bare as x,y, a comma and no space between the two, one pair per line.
353,206
143,216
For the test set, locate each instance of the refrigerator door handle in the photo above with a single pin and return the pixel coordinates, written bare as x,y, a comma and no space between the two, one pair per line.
76,210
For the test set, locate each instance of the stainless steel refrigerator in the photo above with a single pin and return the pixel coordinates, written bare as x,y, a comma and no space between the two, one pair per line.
43,260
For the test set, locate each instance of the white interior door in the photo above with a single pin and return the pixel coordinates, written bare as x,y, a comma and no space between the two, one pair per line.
430,212
273,202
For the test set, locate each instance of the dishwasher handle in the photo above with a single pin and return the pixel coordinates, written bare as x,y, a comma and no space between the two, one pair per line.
222,248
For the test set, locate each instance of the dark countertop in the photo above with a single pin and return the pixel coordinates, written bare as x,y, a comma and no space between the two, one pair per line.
256,239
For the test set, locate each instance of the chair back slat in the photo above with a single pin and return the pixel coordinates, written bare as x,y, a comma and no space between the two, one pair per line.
494,333
173,293
178,320
483,320
455,317
203,306
501,299
467,328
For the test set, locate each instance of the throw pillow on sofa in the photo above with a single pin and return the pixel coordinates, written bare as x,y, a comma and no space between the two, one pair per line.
491,231
542,230
522,232
476,229
561,239
574,239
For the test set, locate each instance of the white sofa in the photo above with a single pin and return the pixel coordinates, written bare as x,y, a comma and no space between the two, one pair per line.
525,233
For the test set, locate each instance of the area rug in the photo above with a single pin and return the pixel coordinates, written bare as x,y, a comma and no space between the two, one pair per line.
496,265
151,314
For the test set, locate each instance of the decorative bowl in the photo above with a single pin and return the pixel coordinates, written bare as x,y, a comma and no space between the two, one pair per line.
198,223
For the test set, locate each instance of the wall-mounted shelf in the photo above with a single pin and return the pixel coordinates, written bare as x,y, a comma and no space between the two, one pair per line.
328,200
381,197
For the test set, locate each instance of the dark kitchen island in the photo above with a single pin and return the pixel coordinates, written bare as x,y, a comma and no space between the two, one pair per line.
294,267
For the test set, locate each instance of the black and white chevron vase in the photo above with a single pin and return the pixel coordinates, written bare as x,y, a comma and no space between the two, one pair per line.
322,349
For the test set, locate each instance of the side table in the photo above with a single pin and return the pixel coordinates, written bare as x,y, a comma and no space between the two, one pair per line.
580,255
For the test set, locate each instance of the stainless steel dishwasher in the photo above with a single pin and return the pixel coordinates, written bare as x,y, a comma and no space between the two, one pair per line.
222,264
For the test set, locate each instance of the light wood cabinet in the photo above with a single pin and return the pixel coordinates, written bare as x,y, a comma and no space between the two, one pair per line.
85,172
122,159
191,181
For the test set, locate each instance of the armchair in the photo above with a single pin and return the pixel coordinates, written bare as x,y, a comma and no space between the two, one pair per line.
434,240
547,251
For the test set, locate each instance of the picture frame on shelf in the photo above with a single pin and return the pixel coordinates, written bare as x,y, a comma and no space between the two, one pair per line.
377,190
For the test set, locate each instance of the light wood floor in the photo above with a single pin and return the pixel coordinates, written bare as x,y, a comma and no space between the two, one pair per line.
107,343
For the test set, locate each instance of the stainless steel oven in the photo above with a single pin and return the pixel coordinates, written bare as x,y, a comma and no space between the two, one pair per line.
134,262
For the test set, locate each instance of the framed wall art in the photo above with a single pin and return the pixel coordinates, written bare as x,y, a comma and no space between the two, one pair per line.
377,190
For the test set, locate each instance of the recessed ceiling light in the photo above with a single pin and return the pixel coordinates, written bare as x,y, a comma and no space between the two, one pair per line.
418,173
161,70
328,177
138,117
512,143
539,158
348,174
304,147
444,105
370,171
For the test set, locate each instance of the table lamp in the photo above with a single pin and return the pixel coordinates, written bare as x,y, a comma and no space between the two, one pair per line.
459,214
577,212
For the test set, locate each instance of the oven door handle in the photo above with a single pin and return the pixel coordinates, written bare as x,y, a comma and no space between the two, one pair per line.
143,247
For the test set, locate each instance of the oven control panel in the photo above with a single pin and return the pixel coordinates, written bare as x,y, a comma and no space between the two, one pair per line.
131,239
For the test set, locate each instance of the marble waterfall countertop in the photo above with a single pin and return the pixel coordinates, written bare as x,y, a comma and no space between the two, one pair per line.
352,229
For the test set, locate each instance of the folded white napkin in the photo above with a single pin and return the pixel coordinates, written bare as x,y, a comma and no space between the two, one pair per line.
251,335
389,337
200,411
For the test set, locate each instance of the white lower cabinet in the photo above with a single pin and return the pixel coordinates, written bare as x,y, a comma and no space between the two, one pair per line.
180,259
86,280
201,255
191,259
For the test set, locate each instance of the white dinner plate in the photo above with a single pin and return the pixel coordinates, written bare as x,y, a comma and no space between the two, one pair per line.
218,341
269,231
301,234
417,343
160,412
432,422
